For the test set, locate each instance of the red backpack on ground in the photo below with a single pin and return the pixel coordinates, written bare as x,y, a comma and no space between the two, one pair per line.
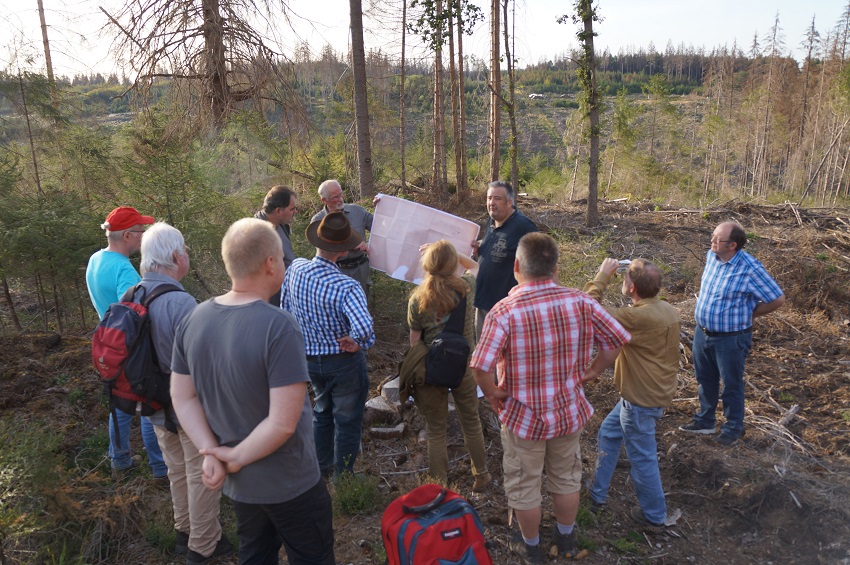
432,525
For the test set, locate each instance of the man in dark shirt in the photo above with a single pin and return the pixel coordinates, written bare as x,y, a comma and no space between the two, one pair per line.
497,249
279,208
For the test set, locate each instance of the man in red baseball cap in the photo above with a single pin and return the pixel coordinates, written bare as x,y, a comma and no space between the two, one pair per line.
108,276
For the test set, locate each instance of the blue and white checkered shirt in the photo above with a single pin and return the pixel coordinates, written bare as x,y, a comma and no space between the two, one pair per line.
729,292
328,305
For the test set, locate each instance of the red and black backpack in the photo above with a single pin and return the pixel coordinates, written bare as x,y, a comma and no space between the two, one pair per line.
433,525
124,355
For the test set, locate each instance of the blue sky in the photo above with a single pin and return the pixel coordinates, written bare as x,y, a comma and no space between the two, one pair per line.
77,47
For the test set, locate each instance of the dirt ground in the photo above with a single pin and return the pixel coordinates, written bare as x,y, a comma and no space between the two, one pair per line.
781,495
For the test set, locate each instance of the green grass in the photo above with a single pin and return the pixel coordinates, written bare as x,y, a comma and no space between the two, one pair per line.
91,451
356,494
628,544
160,535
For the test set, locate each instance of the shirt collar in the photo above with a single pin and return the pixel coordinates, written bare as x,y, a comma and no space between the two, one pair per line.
323,261
533,285
159,277
646,301
732,259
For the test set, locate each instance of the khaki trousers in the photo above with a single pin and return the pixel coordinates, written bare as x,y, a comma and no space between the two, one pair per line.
433,404
195,506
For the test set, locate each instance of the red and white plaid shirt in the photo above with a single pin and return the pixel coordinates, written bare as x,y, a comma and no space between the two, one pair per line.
541,336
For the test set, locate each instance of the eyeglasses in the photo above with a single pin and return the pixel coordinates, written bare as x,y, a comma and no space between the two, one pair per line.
715,238
137,231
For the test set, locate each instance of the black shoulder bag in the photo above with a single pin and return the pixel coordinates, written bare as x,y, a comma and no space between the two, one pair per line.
447,358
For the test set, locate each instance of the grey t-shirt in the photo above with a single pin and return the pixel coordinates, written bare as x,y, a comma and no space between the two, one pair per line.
235,354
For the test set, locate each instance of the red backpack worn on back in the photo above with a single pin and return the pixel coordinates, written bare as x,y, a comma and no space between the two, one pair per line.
124,356
432,525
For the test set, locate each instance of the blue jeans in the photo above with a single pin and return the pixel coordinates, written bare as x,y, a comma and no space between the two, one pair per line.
303,525
716,359
633,426
340,385
120,453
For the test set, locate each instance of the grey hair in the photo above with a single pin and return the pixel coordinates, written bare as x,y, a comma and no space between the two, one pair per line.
113,235
509,190
159,242
328,183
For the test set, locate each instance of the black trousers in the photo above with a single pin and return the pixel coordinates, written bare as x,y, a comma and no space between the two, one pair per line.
303,526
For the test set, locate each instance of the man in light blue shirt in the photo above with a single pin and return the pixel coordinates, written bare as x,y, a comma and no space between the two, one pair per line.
331,309
735,288
109,275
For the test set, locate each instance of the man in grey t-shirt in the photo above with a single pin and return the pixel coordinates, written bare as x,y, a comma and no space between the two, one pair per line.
239,385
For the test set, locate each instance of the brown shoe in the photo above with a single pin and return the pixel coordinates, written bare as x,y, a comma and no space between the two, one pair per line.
482,482
119,474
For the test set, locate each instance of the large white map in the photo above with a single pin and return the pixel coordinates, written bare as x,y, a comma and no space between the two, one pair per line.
400,227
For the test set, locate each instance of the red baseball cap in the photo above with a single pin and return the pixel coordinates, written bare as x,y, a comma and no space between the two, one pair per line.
125,217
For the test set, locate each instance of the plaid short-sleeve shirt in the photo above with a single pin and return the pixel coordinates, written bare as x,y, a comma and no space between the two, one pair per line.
541,337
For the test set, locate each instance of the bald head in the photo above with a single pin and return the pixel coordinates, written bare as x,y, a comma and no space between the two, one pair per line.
246,247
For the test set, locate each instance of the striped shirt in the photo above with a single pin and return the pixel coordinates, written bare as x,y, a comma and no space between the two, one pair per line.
730,291
541,337
327,304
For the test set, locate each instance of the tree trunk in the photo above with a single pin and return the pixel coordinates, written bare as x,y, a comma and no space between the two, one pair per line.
458,148
402,134
214,59
495,91
11,304
511,104
438,168
463,187
40,192
361,102
587,70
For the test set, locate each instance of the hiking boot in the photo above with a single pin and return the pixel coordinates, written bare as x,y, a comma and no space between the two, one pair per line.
597,507
482,482
566,543
528,554
118,474
727,440
222,549
694,428
181,542
639,517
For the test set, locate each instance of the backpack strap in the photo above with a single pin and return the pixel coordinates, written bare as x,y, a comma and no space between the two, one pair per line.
146,301
457,318
146,298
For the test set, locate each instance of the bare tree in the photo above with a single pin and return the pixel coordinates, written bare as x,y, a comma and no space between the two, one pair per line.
811,45
510,103
585,15
495,91
402,135
211,47
361,102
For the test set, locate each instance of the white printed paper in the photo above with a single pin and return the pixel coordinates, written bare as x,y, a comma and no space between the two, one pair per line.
400,227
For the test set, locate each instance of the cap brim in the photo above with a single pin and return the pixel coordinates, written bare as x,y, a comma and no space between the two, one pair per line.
145,220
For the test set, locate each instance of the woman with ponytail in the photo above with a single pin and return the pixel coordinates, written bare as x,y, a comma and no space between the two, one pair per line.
429,308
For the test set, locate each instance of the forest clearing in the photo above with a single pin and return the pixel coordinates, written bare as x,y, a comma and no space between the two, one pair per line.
781,495
639,153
